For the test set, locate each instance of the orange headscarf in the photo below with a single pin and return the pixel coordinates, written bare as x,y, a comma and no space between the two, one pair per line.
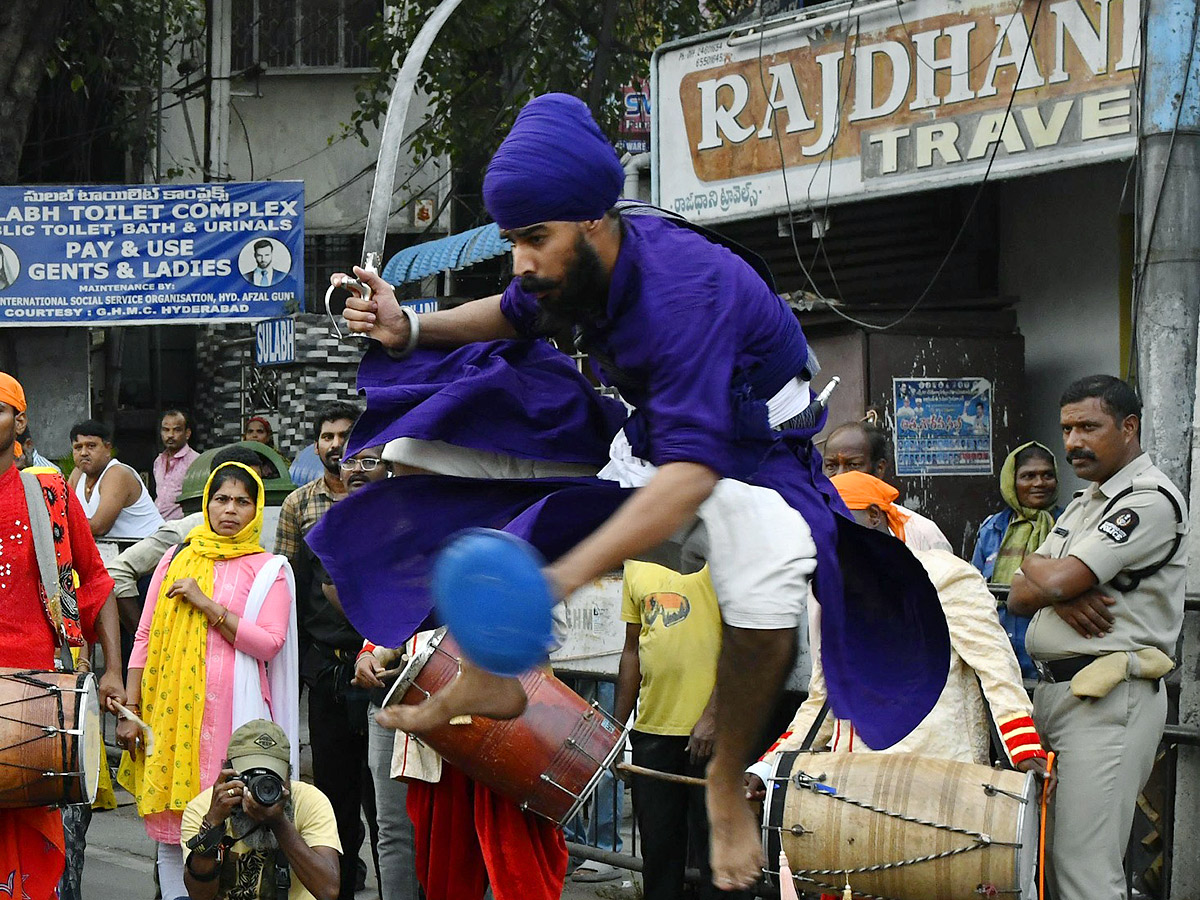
13,394
860,490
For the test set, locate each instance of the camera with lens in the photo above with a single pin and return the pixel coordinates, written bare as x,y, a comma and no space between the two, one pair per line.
264,786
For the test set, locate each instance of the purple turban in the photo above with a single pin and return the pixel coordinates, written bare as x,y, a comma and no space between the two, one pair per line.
554,166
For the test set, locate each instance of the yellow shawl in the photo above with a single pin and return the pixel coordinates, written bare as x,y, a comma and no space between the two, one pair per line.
173,681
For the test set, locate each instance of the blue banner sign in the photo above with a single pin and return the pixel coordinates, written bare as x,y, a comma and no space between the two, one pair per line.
423,305
275,342
146,254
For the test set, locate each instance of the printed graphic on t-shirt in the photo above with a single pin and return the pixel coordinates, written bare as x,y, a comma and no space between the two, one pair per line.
673,607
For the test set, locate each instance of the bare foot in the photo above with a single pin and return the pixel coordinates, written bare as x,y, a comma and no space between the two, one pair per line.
736,854
472,692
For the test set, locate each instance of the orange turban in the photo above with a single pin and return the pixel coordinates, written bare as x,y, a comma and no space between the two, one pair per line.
860,490
13,394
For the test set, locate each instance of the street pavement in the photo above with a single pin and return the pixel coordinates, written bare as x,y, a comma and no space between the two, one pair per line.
120,864
120,857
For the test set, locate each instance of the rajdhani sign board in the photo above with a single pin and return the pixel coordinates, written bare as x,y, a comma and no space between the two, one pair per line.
903,97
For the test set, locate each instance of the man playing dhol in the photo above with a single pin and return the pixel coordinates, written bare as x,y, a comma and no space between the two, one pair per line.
718,368
32,854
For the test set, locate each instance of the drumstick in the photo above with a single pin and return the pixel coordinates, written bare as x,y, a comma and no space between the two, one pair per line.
1042,828
127,713
662,776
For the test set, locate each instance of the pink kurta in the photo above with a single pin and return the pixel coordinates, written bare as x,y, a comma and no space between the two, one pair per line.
261,640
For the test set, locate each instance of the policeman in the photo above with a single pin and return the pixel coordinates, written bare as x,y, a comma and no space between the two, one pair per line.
1106,591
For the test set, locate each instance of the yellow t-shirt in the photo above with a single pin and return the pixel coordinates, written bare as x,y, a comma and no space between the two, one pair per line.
244,869
678,645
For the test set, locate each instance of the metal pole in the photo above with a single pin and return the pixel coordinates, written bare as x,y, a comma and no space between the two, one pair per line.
158,113
1167,297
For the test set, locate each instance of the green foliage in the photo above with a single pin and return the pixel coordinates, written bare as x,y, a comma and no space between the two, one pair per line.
493,55
112,51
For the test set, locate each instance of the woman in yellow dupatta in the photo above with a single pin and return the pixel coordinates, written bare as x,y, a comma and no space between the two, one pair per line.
181,673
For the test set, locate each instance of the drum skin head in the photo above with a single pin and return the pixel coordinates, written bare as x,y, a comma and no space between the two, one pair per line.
489,589
91,746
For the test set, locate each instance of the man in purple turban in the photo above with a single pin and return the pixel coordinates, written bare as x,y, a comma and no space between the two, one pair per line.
718,448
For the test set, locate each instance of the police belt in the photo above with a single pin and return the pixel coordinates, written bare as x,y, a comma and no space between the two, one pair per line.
1059,670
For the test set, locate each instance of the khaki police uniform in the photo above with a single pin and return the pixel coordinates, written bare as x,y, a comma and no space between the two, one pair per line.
1106,747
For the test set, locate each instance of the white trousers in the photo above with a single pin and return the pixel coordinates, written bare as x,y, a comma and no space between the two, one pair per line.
760,552
170,872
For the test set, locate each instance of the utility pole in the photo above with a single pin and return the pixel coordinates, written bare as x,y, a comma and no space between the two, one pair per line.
217,89
1168,324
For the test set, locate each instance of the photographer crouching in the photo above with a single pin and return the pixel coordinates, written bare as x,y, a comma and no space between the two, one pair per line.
256,834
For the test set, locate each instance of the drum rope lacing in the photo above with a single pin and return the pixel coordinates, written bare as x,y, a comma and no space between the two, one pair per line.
29,677
807,782
982,890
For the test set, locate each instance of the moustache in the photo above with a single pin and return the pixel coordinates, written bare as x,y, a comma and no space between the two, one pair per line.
531,284
1080,454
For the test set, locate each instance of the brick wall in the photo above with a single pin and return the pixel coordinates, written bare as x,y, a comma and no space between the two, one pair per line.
325,370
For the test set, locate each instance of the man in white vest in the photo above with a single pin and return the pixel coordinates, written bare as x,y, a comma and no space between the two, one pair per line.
116,502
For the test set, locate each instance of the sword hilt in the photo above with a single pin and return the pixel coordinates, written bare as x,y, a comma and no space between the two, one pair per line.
353,285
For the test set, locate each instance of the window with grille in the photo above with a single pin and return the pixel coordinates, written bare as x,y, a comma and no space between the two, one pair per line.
302,34
325,254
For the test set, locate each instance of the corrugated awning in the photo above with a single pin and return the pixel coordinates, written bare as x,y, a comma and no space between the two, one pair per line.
449,253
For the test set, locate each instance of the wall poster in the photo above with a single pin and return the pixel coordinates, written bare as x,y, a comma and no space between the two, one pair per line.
943,426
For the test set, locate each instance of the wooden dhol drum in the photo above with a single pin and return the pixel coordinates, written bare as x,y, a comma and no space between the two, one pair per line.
549,759
903,827
51,745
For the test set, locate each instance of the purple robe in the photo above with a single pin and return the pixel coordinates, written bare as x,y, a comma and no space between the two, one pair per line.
697,341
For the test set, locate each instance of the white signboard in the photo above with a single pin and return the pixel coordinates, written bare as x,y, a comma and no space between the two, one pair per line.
899,99
595,632
596,635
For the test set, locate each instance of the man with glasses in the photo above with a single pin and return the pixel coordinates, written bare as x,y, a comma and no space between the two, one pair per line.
337,711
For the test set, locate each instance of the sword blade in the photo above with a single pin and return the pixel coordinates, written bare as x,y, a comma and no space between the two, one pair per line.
391,139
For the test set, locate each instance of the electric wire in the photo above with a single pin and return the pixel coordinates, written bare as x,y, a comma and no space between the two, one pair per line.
832,307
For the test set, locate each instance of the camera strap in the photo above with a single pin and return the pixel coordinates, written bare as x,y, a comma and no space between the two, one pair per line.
283,875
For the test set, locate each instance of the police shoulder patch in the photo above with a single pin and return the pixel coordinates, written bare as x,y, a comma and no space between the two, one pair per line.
1120,525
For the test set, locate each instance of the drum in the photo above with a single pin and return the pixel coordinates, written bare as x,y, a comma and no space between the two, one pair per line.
903,827
549,759
51,745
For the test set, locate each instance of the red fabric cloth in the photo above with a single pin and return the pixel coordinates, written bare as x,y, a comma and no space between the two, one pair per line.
468,836
31,853
31,840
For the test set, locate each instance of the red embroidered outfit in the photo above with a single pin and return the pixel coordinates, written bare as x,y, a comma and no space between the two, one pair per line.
31,840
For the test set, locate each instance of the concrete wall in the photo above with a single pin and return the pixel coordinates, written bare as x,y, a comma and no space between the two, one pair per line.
52,366
1060,257
288,122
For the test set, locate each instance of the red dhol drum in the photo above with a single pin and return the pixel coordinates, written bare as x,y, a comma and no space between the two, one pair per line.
549,759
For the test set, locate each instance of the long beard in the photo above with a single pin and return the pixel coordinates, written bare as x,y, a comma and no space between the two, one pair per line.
582,299
258,838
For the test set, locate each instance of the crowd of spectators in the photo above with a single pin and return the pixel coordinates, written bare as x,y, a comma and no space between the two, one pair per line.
225,626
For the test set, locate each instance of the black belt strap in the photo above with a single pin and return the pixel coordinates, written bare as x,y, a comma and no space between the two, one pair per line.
816,727
1060,670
